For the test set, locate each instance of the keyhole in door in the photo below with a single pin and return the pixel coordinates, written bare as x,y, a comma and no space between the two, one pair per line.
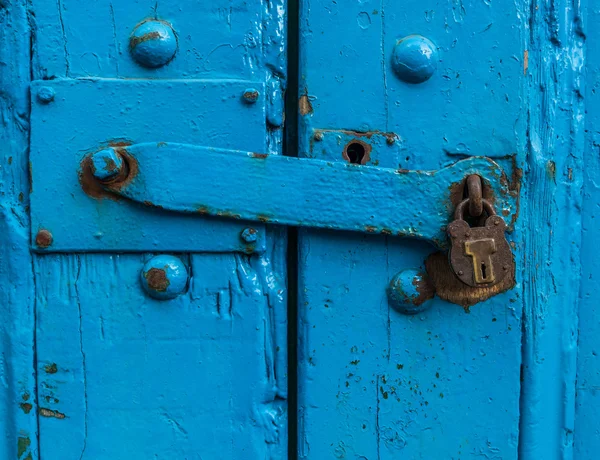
483,271
357,152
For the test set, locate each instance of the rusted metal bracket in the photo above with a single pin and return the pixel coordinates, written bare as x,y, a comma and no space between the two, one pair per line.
300,192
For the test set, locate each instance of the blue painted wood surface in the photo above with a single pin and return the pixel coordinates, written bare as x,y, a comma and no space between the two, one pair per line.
194,377
18,405
119,374
92,367
373,383
586,420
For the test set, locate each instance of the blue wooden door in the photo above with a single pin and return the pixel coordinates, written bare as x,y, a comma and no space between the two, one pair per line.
155,240
419,85
134,332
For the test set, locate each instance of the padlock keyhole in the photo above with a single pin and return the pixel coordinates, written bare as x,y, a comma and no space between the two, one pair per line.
483,272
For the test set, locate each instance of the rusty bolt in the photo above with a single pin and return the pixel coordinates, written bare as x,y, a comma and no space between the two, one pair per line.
251,95
164,277
46,94
107,164
409,291
319,136
391,140
43,239
153,43
250,235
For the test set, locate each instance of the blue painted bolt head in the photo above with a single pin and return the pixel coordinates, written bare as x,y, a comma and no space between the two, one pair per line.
414,59
153,43
106,164
251,95
409,291
164,277
250,235
46,94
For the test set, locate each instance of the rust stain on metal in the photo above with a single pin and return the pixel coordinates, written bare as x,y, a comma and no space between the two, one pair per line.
135,41
370,229
96,189
263,218
514,189
119,143
157,279
229,214
44,412
51,368
525,61
251,96
448,287
203,210
390,137
424,287
304,105
260,156
458,192
26,407
43,239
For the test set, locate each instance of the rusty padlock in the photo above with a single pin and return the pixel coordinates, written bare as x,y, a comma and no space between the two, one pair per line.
479,256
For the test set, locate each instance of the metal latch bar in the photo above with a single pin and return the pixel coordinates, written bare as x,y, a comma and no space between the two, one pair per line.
299,192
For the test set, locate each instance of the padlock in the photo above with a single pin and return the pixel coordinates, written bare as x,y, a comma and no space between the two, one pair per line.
479,256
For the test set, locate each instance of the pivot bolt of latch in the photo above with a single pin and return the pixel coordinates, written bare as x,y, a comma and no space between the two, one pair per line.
107,164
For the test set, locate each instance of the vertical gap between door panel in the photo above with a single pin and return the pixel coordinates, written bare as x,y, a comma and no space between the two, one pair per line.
290,148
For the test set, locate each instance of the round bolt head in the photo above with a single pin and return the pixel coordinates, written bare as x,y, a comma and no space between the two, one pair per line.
250,235
107,164
153,43
251,95
164,277
46,94
43,239
318,136
414,59
409,290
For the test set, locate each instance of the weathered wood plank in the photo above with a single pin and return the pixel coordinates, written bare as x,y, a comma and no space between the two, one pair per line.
120,372
374,383
18,423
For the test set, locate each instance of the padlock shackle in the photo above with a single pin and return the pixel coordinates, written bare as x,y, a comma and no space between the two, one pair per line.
459,213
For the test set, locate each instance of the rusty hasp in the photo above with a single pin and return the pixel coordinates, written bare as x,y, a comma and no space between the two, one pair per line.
298,192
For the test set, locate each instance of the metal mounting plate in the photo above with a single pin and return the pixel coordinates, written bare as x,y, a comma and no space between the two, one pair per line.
87,114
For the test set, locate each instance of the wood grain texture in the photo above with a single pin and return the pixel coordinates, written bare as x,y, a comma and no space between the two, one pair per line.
373,383
122,375
18,423
586,436
552,215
